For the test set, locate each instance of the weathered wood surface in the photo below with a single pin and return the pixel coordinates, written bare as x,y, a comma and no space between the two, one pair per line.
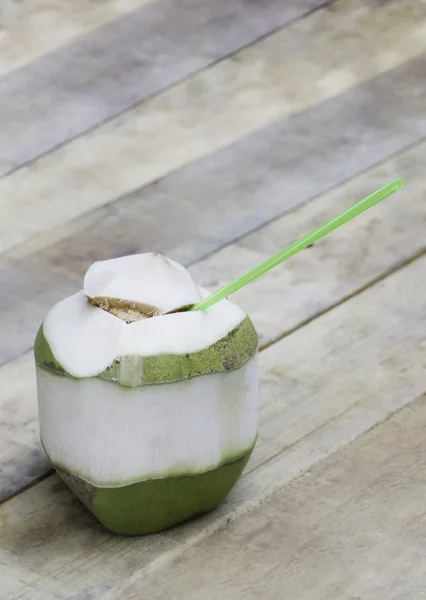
336,267
198,208
279,302
351,528
114,67
221,170
31,28
312,404
331,52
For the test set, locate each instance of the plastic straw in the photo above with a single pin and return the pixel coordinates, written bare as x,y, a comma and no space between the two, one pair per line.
300,244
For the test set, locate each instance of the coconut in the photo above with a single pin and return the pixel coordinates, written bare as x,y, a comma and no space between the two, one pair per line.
147,411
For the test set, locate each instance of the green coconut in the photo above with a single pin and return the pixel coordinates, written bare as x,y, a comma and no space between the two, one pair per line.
148,412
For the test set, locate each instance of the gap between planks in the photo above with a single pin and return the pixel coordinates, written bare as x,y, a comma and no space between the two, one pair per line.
393,269
292,209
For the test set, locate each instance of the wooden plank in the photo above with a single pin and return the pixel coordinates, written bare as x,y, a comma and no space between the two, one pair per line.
352,528
279,302
317,400
31,28
253,90
105,72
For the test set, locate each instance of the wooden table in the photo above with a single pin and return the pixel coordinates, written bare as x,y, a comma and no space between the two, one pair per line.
215,133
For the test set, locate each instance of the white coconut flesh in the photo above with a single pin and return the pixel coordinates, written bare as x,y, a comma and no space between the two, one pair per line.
86,339
151,282
112,436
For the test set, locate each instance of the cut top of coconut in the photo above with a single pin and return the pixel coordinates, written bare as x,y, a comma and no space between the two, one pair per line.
88,331
85,339
140,286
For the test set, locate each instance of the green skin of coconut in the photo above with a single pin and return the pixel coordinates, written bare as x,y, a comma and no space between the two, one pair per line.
157,504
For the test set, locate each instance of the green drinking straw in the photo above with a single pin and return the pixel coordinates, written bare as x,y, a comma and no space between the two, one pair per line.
306,240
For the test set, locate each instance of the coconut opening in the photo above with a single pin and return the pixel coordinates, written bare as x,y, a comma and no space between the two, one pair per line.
130,312
127,311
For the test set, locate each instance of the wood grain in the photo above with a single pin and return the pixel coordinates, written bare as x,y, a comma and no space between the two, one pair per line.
351,528
197,209
208,203
332,52
63,94
282,300
219,163
312,404
26,293
333,269
31,28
